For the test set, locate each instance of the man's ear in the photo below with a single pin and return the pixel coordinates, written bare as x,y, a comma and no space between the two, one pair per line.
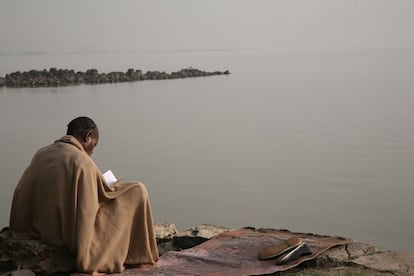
88,137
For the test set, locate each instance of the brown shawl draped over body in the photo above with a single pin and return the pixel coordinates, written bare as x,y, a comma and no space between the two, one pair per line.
62,199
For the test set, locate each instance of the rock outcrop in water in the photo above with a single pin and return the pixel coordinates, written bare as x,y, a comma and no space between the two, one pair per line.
66,77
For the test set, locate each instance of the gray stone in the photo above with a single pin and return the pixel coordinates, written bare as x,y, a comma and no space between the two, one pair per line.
35,255
166,246
343,254
368,257
23,272
358,249
396,262
164,231
196,235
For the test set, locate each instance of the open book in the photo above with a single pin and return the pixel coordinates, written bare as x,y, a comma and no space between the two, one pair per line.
110,178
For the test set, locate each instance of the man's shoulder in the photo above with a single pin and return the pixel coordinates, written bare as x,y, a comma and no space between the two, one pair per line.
62,151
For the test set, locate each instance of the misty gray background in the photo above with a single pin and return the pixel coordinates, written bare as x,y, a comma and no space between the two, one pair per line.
129,26
312,131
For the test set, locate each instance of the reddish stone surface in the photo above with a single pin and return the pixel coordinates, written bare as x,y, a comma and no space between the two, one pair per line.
235,253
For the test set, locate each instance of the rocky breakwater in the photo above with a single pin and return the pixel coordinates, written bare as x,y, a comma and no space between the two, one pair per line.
66,77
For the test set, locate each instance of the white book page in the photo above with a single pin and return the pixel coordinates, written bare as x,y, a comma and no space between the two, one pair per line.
110,178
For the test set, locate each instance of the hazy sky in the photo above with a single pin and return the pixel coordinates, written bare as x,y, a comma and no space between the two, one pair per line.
134,25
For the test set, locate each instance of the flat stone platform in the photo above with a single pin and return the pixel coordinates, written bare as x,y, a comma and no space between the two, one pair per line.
214,250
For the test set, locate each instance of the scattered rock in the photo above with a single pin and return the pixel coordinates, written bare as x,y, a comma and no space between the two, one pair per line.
396,262
23,272
35,255
344,254
65,77
196,235
164,234
367,257
165,231
32,256
19,272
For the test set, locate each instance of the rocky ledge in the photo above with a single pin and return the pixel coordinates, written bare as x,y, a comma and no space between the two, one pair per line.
66,77
26,257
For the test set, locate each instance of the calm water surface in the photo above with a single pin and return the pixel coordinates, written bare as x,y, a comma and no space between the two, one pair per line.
320,142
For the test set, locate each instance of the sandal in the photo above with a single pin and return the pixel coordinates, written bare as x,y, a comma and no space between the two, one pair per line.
278,249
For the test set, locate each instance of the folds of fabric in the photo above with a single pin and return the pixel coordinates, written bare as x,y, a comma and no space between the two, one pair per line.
62,199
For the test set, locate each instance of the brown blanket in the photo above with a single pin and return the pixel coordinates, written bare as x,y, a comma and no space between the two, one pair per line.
62,199
235,253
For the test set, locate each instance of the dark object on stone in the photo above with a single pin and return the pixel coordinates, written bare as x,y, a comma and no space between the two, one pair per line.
301,250
65,77
196,235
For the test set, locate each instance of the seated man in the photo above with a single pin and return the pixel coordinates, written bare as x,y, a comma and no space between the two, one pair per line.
62,199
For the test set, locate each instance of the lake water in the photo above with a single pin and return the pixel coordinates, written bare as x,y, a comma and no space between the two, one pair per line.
310,142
